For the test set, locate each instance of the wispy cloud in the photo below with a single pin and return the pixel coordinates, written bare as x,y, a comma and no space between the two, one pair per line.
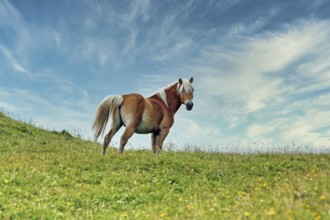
13,61
8,14
252,67
137,10
23,43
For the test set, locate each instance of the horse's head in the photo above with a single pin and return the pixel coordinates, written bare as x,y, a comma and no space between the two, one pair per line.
186,92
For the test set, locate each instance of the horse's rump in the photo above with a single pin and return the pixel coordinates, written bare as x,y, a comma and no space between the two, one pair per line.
110,105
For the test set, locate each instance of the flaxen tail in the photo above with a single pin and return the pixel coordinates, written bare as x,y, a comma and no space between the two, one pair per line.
110,105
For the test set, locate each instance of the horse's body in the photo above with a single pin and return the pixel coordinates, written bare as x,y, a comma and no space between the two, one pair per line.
141,115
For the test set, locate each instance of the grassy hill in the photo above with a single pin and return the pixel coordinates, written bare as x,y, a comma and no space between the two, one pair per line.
52,175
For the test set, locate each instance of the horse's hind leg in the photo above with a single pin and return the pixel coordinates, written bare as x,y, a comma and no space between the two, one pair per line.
124,138
109,136
115,126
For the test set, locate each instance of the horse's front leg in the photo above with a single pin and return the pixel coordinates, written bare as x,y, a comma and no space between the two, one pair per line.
154,140
162,135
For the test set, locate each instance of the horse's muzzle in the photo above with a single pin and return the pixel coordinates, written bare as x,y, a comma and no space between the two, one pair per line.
189,105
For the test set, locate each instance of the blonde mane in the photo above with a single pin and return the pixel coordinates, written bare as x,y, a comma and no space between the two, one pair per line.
186,86
162,94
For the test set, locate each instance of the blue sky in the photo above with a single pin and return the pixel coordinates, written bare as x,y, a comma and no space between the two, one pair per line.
261,68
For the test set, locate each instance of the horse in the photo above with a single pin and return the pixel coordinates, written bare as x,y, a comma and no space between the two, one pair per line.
154,114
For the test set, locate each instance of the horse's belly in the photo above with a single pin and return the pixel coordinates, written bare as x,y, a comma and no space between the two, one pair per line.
147,125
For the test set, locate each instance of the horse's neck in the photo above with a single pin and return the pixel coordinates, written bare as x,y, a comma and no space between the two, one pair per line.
173,99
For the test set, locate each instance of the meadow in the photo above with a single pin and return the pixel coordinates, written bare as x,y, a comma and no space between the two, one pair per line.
54,175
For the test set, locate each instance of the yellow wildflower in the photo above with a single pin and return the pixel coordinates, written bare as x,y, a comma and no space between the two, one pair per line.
162,215
246,214
271,212
323,197
317,217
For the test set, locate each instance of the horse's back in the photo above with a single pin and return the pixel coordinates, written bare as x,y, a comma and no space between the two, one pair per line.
142,113
133,98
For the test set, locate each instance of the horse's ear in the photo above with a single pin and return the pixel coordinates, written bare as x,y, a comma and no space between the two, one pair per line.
191,79
180,81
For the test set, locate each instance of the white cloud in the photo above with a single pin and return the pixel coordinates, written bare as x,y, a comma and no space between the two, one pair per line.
187,129
130,46
256,131
248,72
13,61
305,120
137,8
174,50
262,84
241,28
305,128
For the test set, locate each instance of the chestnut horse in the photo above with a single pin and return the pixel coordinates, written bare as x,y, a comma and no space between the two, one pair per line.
141,115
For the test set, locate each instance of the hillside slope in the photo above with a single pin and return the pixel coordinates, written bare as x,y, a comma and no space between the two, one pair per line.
52,175
20,136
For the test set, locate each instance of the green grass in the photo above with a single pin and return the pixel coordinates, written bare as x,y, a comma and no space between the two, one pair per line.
52,175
